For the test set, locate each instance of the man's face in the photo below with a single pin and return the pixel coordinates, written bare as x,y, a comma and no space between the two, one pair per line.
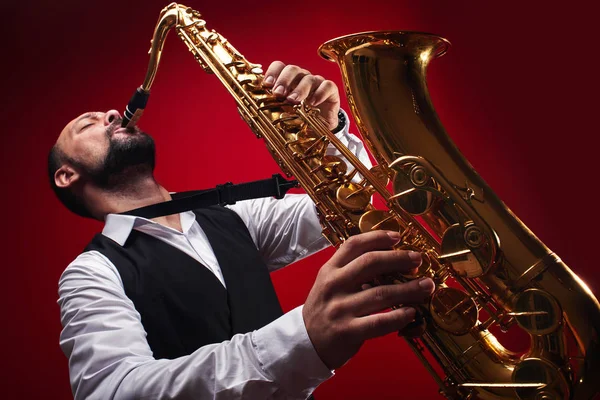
103,152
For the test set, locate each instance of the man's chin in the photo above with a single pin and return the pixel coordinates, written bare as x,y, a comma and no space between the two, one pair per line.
126,142
122,177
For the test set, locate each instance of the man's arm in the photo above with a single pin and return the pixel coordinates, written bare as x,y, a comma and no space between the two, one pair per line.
109,356
285,230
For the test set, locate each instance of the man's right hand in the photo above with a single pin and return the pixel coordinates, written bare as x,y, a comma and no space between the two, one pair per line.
339,315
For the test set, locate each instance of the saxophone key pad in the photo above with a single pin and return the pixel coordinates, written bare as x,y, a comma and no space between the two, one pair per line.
539,370
378,220
353,197
537,312
453,310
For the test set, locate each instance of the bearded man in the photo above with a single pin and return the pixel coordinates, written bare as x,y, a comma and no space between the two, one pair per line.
182,306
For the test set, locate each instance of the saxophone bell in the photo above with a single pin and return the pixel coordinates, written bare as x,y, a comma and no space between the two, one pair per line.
491,271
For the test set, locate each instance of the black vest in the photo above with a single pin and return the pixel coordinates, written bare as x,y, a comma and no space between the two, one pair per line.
182,304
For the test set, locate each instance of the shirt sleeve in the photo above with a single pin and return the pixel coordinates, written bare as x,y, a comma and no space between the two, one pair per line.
109,356
353,143
288,230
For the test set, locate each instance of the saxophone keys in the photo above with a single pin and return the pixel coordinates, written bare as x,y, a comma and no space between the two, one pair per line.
190,10
284,118
534,369
378,220
239,65
212,37
426,269
353,197
467,249
453,311
332,166
537,312
407,195
380,173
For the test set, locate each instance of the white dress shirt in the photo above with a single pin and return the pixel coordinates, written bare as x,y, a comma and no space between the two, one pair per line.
105,341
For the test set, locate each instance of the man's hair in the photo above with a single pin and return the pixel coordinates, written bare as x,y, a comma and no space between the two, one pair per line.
56,159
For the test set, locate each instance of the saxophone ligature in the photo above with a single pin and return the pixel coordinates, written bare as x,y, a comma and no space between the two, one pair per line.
491,271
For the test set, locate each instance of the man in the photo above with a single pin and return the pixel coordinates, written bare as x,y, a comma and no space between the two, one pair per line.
182,306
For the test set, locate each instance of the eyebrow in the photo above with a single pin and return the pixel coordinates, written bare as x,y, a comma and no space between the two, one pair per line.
88,115
85,116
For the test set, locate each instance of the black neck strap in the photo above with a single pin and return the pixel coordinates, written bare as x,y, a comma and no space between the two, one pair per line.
228,193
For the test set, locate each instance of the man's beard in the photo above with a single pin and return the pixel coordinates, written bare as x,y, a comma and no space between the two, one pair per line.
127,160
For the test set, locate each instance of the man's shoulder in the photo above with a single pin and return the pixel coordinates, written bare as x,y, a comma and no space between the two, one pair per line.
91,264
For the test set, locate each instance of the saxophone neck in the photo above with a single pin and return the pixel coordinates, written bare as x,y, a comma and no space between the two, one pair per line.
173,15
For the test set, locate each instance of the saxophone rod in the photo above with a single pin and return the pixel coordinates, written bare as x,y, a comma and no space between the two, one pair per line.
503,385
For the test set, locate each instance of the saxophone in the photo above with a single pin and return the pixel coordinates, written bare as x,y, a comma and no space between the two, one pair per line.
491,271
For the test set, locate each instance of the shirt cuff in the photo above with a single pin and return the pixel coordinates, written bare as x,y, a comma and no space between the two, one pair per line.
287,355
346,129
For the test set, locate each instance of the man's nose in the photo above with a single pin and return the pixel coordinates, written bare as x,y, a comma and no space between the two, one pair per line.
110,116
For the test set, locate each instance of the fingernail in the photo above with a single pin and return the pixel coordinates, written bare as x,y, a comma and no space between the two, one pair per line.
394,235
293,96
415,257
269,80
410,312
279,90
427,284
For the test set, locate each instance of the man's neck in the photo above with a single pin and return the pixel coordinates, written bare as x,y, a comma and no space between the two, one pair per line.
143,192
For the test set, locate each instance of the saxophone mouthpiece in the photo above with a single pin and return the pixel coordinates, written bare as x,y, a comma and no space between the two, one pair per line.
135,107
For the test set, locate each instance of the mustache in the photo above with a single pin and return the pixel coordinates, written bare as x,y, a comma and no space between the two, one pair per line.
116,124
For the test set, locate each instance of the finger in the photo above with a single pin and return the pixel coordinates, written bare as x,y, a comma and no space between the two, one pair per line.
327,98
327,91
307,85
273,73
370,265
381,324
384,297
357,245
288,78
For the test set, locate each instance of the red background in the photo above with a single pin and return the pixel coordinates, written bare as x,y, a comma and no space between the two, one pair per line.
517,93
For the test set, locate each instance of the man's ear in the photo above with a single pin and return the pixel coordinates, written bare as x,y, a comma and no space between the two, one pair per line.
66,176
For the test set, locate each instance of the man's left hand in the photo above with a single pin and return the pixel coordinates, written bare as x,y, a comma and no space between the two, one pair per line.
296,84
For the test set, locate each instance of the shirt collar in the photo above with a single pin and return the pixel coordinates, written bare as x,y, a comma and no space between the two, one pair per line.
118,227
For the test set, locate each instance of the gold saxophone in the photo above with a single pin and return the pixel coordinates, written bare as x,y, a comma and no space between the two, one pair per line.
490,270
